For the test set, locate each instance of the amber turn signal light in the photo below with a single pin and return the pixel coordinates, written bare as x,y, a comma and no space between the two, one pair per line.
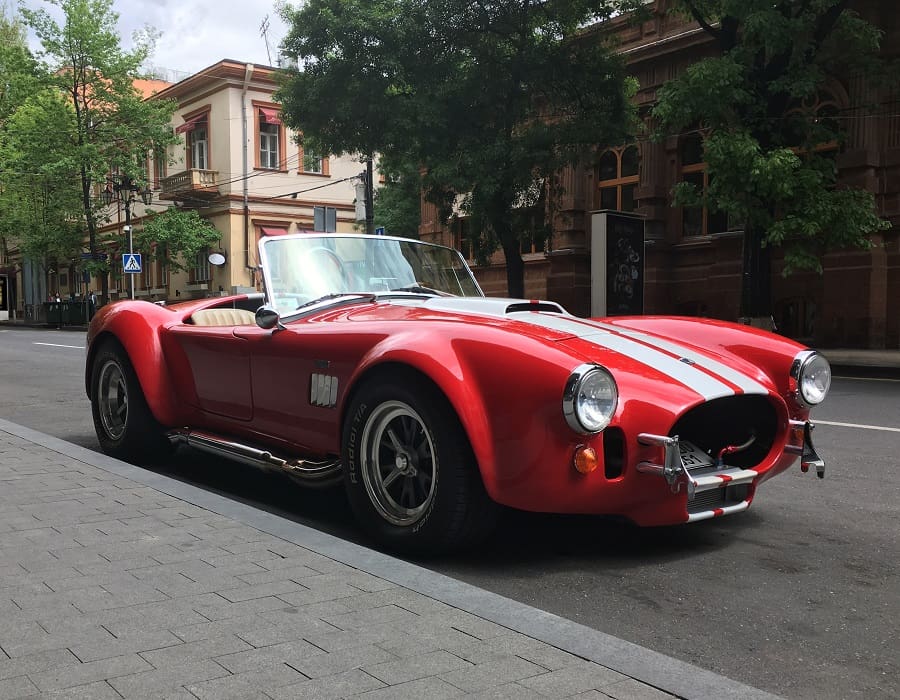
585,459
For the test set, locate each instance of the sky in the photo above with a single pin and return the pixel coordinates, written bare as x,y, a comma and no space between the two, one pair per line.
196,33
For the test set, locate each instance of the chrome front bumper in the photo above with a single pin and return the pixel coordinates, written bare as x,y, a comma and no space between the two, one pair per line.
677,475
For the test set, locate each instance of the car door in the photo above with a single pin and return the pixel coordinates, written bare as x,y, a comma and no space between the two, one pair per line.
295,384
219,364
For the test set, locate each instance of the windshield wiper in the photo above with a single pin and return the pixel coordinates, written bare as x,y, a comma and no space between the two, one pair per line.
420,289
334,295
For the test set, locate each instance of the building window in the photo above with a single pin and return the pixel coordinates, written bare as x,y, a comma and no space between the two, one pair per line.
162,267
199,150
617,176
269,137
200,270
159,166
700,220
268,146
312,163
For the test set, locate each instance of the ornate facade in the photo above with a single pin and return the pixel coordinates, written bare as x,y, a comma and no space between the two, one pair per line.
693,258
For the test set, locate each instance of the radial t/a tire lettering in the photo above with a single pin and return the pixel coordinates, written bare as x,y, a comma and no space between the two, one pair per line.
409,472
123,422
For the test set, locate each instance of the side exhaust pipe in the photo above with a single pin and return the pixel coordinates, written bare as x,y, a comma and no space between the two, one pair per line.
308,472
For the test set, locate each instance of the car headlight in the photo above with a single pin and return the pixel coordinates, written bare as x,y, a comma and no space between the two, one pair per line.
590,399
812,377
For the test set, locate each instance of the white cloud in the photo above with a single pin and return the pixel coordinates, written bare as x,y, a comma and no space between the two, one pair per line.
196,33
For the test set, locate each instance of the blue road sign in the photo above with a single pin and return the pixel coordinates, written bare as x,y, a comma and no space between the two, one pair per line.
379,231
131,262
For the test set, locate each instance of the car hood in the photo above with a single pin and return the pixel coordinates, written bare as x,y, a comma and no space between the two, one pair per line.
643,355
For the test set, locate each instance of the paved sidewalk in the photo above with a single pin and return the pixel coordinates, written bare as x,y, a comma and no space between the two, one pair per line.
117,582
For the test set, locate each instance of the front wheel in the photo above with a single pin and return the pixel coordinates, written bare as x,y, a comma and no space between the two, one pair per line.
125,427
409,471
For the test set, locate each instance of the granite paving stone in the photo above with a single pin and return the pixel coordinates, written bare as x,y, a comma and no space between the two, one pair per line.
156,682
431,688
342,660
195,651
274,655
574,679
80,674
496,672
414,667
17,687
36,663
251,684
341,685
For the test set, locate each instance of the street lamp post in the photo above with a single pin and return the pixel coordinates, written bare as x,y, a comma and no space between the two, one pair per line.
120,184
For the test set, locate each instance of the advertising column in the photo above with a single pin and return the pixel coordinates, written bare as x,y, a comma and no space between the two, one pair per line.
4,297
617,264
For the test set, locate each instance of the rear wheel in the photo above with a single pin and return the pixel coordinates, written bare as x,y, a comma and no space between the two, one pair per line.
410,473
123,422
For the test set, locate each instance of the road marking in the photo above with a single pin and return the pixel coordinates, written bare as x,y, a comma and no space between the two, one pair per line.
56,345
865,379
857,425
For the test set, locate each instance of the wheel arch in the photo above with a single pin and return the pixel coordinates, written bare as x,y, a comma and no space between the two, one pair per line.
462,399
139,337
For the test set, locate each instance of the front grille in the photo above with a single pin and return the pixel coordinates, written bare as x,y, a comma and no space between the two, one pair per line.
717,498
731,421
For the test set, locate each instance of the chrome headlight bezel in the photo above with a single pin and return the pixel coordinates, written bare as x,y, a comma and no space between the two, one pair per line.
583,379
806,378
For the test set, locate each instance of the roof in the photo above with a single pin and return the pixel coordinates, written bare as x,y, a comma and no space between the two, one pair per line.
150,86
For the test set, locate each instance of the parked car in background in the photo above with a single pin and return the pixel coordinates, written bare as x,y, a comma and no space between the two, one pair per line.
377,362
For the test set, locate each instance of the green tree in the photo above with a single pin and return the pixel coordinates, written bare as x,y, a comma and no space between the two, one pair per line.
40,208
753,99
398,200
175,236
113,127
488,97
18,80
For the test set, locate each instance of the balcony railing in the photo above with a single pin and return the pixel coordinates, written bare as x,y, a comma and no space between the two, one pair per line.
193,183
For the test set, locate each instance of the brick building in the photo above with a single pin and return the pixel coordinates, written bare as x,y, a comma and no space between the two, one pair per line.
693,259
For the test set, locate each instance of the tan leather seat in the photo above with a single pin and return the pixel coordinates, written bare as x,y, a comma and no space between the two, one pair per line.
223,317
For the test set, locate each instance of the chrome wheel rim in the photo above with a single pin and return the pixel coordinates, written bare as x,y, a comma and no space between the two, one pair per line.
399,465
112,400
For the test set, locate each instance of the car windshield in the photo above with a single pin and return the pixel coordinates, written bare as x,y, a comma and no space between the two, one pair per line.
303,268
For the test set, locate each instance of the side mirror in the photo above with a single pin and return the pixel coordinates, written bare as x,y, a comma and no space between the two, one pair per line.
267,318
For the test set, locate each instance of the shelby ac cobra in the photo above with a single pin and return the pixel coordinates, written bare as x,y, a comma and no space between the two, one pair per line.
378,362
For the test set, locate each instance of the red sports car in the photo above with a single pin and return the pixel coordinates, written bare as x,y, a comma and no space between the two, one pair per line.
377,361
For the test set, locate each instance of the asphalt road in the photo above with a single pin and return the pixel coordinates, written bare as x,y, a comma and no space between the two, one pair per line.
799,596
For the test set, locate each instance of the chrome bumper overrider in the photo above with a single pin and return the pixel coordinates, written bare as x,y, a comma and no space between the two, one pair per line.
677,475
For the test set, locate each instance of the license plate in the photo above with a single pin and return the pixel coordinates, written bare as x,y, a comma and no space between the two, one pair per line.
692,456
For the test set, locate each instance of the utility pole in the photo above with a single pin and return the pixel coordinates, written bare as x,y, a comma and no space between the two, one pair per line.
370,198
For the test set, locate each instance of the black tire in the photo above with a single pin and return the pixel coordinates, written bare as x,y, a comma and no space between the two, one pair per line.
123,422
409,471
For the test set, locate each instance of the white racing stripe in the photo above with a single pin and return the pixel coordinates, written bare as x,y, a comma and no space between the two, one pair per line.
705,385
747,384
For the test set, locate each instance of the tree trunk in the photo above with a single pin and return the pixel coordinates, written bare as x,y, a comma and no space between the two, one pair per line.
515,266
756,277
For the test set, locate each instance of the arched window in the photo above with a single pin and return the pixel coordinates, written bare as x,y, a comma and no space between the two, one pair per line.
698,221
617,178
812,123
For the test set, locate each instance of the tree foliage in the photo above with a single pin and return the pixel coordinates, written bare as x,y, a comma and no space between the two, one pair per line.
175,236
756,102
480,99
111,127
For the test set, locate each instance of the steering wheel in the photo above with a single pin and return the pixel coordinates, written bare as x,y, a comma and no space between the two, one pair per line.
333,259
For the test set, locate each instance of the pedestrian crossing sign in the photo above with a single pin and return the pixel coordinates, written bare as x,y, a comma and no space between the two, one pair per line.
131,262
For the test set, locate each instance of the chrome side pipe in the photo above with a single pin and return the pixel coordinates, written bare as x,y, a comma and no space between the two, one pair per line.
320,472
